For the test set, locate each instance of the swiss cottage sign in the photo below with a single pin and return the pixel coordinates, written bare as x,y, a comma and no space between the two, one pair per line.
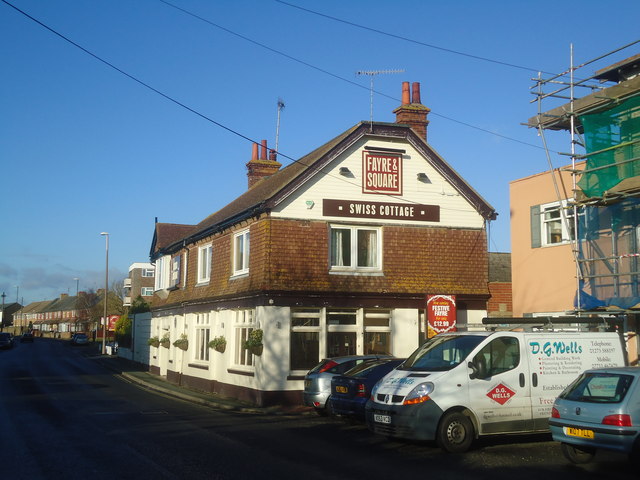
380,210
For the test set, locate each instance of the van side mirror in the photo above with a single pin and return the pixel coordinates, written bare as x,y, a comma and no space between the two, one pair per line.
474,370
478,367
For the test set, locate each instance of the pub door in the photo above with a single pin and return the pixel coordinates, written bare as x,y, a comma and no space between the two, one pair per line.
341,343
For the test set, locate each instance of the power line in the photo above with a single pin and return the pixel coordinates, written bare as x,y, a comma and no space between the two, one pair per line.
417,42
186,107
338,77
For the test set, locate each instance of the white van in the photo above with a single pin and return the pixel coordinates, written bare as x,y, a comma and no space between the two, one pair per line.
458,386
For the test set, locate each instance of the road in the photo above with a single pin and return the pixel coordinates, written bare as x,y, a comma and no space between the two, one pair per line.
64,416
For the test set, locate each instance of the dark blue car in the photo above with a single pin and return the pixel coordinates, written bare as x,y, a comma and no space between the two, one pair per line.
350,391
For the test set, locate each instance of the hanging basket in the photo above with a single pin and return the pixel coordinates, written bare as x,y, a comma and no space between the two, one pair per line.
257,350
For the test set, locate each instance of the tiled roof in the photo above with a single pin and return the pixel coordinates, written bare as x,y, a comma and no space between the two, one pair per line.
266,193
166,234
499,267
36,307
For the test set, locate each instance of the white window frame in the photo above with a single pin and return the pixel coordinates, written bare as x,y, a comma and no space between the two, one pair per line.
148,290
205,254
163,267
241,249
336,259
557,224
244,323
176,265
148,272
202,337
312,314
377,313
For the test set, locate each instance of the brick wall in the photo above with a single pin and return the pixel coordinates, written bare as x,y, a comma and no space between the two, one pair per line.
501,302
289,255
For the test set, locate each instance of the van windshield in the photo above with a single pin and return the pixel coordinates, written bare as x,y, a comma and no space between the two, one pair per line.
442,352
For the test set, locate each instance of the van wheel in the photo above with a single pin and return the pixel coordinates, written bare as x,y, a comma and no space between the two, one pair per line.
455,433
577,455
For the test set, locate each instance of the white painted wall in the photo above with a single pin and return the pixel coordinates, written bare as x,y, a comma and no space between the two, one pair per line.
455,211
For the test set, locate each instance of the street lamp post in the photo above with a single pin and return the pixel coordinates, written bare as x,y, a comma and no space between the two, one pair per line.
106,293
2,314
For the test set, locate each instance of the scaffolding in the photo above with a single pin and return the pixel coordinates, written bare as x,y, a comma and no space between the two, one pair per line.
601,113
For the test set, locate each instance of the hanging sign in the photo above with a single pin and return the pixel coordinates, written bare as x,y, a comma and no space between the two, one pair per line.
441,314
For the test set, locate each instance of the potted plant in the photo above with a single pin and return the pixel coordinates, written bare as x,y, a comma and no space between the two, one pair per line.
164,341
219,344
254,342
182,343
154,341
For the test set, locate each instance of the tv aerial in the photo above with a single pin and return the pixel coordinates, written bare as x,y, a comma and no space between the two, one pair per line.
372,74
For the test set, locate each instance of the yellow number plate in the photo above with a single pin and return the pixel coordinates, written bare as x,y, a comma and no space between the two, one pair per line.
579,432
341,389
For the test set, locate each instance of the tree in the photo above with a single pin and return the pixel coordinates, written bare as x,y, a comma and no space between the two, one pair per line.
139,305
123,331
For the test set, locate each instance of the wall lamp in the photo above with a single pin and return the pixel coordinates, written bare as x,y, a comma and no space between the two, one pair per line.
422,177
345,171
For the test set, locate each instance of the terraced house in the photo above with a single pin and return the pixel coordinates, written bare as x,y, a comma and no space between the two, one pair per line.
333,254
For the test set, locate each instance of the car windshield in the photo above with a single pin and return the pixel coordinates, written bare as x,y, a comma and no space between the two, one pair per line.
598,387
441,353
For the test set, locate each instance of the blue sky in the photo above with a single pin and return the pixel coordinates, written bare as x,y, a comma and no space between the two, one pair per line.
85,148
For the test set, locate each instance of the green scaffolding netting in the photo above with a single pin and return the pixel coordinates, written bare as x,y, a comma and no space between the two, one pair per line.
615,134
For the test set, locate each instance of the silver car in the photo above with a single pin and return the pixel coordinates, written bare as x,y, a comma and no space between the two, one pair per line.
317,382
598,410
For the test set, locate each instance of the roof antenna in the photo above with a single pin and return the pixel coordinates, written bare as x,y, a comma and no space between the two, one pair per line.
373,73
280,107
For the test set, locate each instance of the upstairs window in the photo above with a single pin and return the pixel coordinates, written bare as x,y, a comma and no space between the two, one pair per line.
175,271
147,272
548,227
241,253
146,291
204,263
355,249
163,266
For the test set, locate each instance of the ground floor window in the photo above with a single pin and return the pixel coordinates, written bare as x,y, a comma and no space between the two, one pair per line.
203,329
305,339
325,332
377,332
244,323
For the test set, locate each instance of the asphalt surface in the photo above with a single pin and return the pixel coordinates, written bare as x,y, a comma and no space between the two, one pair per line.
136,373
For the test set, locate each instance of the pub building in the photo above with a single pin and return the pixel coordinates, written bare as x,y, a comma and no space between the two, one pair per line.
340,252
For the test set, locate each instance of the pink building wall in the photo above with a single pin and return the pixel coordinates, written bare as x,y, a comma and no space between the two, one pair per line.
544,278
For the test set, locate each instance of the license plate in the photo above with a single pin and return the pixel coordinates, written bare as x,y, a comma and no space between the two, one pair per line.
341,389
579,432
382,418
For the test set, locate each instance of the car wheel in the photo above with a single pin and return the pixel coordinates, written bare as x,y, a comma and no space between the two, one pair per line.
577,455
320,411
455,433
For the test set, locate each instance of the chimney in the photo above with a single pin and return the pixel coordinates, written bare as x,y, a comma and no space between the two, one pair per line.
412,112
260,167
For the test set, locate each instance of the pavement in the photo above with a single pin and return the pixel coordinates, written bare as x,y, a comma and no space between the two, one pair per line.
138,374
